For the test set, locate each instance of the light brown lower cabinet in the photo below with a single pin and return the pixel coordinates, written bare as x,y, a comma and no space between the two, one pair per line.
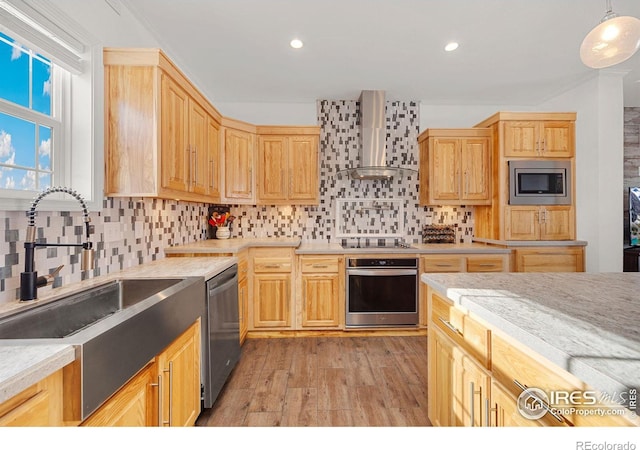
458,387
243,293
549,259
467,388
166,392
321,292
39,405
134,405
272,294
179,373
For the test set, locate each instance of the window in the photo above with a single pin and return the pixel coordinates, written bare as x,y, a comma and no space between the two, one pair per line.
29,128
51,119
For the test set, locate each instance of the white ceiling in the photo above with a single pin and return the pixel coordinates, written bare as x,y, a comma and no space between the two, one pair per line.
513,52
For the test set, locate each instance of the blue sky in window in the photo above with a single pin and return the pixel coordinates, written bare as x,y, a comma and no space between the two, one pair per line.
25,79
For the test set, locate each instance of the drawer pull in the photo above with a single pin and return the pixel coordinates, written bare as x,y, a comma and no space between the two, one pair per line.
487,411
444,265
450,326
488,265
545,406
472,403
272,266
320,266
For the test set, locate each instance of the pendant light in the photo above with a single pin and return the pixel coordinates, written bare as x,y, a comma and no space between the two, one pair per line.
614,40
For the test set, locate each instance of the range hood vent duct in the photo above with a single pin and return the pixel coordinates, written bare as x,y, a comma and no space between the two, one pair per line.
373,137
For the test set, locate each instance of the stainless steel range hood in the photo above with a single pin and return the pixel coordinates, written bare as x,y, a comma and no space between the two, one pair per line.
373,137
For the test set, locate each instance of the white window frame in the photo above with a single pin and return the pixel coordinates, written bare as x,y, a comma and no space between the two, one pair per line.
78,155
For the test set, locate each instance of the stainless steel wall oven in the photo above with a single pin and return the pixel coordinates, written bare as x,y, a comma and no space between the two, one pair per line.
382,292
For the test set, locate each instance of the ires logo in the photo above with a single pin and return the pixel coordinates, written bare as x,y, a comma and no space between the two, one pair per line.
534,403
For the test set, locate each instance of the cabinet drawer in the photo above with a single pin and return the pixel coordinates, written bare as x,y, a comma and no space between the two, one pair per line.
510,364
465,331
320,265
485,264
443,263
271,265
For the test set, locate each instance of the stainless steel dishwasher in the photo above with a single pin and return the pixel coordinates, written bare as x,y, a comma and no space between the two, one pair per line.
221,337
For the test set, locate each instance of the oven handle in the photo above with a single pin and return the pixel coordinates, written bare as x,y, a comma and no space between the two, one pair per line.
381,272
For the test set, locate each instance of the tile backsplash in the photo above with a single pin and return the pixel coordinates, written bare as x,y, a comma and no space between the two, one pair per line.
339,147
132,231
126,232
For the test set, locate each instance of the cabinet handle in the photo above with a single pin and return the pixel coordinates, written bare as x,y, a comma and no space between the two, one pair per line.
443,265
544,147
170,371
159,386
272,266
544,215
472,395
545,406
320,266
290,181
450,326
487,265
487,411
194,158
537,217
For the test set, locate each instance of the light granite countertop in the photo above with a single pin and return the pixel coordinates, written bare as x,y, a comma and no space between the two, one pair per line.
586,323
23,365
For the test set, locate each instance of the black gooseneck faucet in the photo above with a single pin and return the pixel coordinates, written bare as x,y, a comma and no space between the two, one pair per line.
29,279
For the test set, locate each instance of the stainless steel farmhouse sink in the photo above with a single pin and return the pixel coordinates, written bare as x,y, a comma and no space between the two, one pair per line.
116,328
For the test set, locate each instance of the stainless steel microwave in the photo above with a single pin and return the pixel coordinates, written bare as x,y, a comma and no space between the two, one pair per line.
539,182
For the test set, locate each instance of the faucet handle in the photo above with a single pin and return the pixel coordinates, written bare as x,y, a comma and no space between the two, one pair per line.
46,280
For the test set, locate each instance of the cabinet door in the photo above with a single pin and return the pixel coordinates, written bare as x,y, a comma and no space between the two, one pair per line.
521,138
556,223
476,169
199,155
271,300
469,400
174,136
273,168
522,223
238,157
213,151
442,379
303,169
134,405
444,170
321,300
179,367
557,139
37,406
243,307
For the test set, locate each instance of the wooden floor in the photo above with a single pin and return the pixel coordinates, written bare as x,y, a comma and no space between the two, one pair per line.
325,381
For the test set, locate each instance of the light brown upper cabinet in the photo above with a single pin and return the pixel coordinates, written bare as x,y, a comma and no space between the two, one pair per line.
157,135
455,167
239,161
539,138
288,169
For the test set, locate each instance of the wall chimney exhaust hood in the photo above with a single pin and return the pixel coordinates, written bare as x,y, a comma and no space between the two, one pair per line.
373,137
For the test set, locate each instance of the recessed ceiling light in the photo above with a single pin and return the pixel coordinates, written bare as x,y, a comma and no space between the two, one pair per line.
296,43
451,46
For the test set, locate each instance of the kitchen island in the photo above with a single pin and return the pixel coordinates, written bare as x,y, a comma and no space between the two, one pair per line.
582,327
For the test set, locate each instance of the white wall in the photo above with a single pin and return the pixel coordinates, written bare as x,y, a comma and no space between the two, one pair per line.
599,166
271,113
460,116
